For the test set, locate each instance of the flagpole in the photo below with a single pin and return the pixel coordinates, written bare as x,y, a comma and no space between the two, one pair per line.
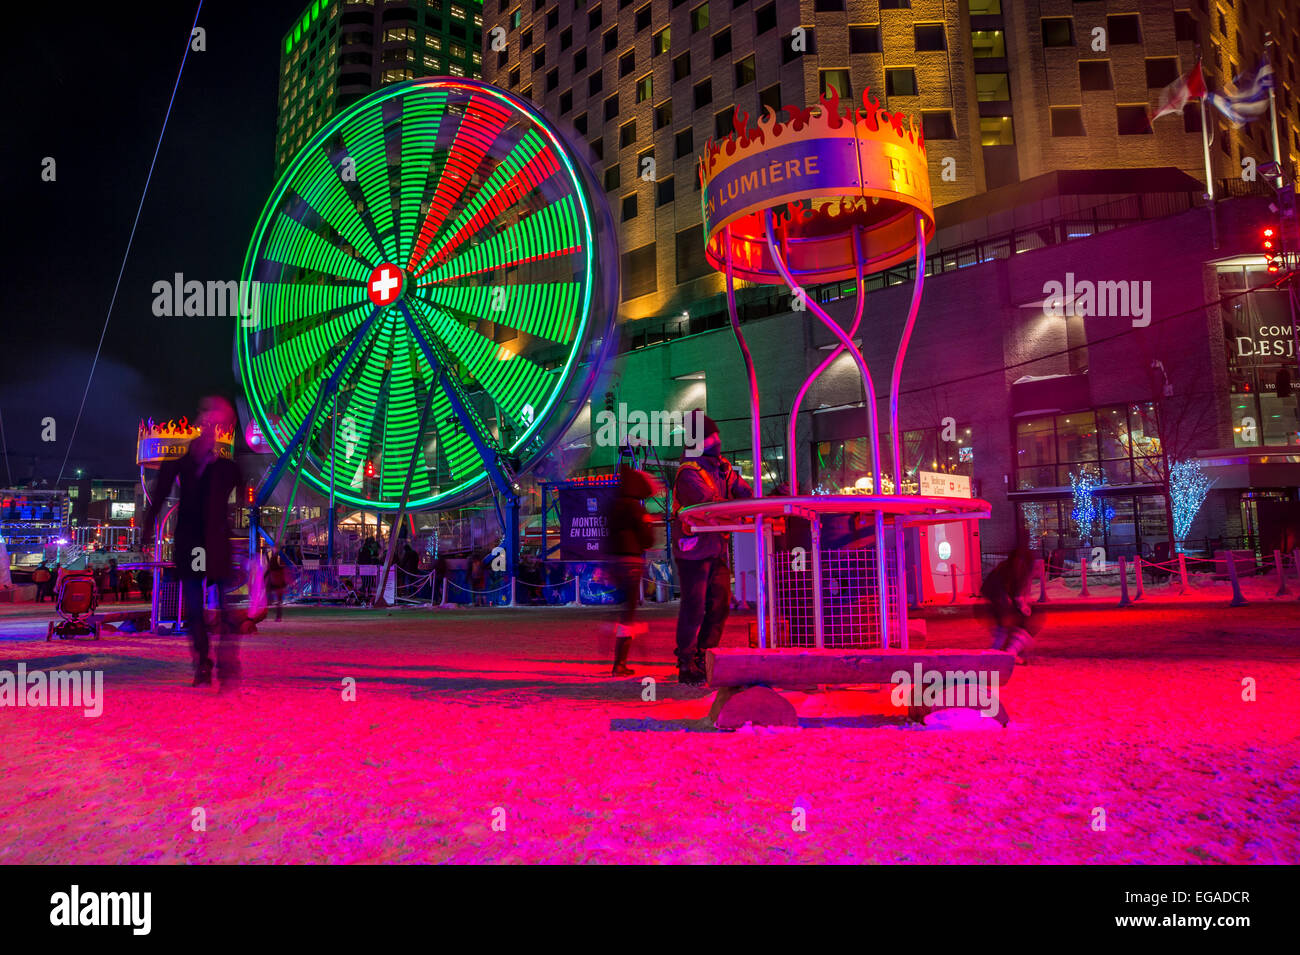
1205,149
1272,106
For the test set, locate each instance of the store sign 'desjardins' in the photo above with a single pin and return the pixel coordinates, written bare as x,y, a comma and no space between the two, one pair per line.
1266,344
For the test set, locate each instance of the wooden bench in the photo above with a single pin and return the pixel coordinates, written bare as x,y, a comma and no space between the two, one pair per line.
746,678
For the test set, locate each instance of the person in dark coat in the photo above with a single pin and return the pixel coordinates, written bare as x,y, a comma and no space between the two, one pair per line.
277,579
44,581
702,566
631,532
202,539
1006,594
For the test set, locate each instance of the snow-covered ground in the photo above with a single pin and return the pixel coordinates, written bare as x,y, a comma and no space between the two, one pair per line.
494,736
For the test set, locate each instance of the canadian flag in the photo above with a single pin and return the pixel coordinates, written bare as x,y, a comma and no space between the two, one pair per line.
1175,96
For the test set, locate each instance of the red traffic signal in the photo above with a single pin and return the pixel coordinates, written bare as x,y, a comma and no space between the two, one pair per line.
370,469
1269,242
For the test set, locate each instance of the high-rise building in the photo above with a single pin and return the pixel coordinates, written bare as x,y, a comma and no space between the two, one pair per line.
1005,92
337,52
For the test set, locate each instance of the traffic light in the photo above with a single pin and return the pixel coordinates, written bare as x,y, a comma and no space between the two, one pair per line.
370,469
1269,240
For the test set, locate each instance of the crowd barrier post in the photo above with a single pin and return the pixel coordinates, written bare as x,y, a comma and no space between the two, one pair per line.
1237,599
1123,584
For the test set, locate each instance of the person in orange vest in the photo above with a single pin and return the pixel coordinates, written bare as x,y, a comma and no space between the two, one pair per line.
702,568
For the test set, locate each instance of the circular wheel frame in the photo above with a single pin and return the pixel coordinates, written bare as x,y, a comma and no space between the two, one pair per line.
427,293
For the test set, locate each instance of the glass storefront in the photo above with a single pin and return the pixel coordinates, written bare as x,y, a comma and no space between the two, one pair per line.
1119,442
838,465
1261,341
1132,523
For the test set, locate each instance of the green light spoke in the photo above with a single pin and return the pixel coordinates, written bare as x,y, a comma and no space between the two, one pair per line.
501,190
421,120
544,311
285,361
292,243
363,138
547,232
511,380
318,184
481,123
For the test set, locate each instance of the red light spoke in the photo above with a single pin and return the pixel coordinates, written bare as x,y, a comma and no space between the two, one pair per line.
529,177
481,125
501,265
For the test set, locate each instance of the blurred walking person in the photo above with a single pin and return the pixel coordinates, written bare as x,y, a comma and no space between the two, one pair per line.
631,533
276,580
202,540
1014,617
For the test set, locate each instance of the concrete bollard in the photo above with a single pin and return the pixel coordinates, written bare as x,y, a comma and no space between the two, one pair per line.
1237,599
1123,584
1137,573
1083,576
1182,572
1281,574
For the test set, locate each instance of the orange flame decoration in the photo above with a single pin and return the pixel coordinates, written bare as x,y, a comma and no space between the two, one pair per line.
822,118
181,429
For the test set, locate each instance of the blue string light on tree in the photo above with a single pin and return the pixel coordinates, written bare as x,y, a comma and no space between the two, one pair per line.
1086,513
1188,488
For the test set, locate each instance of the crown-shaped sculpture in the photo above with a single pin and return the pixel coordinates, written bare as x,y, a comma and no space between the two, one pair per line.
834,178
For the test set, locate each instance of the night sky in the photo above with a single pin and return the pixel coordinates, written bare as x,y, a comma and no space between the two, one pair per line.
89,87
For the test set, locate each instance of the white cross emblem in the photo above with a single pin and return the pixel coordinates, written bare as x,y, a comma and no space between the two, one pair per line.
384,283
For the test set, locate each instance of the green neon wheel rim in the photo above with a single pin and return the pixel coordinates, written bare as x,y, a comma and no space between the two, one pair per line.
505,254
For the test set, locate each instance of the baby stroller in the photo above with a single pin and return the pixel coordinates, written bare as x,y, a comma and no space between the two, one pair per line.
75,599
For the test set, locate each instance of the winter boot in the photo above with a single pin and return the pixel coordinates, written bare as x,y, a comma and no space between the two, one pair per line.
203,674
622,644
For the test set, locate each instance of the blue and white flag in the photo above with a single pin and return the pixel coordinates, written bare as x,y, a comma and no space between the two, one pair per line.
1249,101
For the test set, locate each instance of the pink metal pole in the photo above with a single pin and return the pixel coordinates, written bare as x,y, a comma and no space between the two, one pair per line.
873,421
896,376
826,363
895,379
756,436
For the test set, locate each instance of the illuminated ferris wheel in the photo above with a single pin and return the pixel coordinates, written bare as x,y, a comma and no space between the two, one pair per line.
436,276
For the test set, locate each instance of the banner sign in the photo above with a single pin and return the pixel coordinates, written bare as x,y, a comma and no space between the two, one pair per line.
944,485
584,522
156,443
